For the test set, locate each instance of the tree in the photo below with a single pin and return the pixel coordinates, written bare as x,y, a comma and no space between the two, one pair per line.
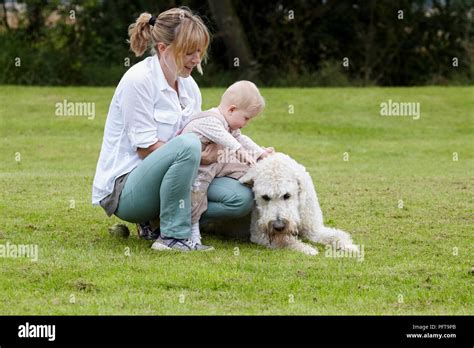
238,49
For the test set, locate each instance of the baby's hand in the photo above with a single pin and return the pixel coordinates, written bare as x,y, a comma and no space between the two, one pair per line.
268,152
244,157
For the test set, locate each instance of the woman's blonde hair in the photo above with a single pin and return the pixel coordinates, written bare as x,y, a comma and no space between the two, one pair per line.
184,31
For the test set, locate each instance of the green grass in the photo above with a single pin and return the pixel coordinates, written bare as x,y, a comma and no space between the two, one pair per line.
422,253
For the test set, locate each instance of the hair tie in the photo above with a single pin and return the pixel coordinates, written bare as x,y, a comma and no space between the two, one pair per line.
152,21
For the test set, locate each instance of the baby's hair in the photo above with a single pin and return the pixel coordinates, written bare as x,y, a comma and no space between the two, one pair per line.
244,95
178,27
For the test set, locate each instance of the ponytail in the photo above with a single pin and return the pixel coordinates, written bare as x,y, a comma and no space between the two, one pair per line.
140,34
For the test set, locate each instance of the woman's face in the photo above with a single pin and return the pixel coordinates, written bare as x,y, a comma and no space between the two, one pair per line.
190,60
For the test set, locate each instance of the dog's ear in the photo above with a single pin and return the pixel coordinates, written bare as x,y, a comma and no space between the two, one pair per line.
300,184
248,178
302,194
302,179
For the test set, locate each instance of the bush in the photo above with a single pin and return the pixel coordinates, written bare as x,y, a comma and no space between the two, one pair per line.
306,51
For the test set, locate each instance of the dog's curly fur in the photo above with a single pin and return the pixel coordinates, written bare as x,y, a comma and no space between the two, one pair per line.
287,207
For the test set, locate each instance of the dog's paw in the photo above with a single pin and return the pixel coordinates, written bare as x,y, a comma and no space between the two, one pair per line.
309,250
347,245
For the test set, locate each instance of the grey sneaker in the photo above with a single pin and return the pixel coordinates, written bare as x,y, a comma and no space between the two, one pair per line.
169,243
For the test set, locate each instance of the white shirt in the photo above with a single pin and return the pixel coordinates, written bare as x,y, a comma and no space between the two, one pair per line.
143,110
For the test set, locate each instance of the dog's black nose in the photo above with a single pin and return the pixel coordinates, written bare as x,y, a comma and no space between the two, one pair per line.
278,225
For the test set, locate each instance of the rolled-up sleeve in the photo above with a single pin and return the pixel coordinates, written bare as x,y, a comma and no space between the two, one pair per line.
137,110
212,129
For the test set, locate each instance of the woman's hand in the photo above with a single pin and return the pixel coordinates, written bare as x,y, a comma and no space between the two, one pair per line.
209,155
144,152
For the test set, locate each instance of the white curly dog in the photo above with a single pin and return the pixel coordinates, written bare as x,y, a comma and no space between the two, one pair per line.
287,207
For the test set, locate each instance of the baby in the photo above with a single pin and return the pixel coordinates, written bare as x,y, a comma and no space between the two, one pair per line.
240,103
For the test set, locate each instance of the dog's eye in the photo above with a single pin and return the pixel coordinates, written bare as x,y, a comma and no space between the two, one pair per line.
286,196
265,197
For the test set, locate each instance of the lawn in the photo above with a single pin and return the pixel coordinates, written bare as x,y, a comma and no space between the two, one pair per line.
402,187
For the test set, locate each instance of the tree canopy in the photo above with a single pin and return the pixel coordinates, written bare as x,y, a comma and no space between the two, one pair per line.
274,43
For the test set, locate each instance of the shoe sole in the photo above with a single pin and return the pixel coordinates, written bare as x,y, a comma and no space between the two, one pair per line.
210,249
160,247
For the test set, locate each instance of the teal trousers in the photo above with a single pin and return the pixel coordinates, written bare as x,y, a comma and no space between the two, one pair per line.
161,186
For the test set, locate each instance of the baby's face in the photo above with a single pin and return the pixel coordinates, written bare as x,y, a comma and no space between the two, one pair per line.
238,118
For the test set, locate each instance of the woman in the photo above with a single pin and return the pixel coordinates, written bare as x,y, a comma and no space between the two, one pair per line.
144,171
